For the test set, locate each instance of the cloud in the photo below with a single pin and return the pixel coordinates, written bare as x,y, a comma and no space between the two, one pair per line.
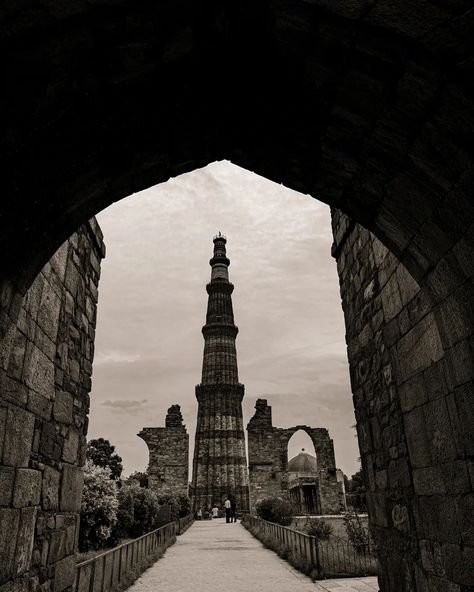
114,357
128,405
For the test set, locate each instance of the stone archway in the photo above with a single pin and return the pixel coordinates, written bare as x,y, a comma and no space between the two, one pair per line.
367,107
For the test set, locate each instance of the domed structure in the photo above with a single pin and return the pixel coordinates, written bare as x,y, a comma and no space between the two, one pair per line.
303,463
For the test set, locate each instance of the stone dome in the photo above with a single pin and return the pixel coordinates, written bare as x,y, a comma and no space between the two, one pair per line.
302,463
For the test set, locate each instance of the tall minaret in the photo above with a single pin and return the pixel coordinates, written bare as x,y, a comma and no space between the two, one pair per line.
220,464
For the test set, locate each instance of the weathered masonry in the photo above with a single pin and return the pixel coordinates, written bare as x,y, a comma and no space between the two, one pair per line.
169,455
45,377
368,106
220,463
268,461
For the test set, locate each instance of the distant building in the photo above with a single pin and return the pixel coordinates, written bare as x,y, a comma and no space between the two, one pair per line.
168,447
304,485
312,482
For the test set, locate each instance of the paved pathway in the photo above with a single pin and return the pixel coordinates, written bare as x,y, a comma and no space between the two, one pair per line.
213,556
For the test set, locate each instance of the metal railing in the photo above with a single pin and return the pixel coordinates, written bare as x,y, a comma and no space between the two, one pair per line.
182,524
105,572
320,559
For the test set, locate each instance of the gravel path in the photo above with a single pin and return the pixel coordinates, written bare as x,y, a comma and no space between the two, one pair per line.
213,556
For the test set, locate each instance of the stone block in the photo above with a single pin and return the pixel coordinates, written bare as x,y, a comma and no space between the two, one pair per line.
24,545
465,511
17,356
59,260
71,445
417,438
64,574
27,488
18,437
439,431
13,391
7,479
71,489
61,544
51,442
428,481
412,393
419,348
3,423
63,407
9,523
50,489
38,372
460,365
39,405
391,300
48,314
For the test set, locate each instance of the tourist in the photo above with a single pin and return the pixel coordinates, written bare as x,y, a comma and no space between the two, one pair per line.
215,511
233,509
227,506
199,513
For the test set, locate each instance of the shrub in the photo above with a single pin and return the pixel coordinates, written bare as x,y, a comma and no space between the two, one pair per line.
275,509
320,529
99,507
137,512
358,534
179,506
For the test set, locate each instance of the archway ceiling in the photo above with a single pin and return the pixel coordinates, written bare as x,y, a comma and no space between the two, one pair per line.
366,107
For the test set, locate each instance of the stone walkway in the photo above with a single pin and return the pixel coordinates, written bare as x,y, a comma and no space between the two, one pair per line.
213,556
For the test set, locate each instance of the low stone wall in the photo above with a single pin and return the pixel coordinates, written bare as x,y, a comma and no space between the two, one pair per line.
118,568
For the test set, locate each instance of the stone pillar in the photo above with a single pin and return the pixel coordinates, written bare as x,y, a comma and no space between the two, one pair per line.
413,404
45,379
169,455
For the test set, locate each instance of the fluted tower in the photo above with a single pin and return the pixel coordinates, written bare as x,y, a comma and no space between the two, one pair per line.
220,464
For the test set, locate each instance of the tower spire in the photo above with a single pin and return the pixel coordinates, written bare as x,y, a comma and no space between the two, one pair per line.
220,464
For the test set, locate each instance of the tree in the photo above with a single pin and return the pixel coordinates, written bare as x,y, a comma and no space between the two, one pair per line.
99,507
358,491
102,453
137,477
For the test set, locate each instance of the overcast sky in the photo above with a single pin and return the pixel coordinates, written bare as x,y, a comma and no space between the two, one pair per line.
152,305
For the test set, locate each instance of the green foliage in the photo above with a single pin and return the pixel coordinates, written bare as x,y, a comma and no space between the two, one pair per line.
102,453
319,528
275,509
179,506
355,492
99,507
137,477
357,533
138,511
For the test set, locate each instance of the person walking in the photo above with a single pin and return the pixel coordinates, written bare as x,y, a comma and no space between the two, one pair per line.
227,506
233,508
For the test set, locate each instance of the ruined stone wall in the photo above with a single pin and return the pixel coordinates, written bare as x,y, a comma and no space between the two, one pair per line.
268,460
169,455
412,405
45,379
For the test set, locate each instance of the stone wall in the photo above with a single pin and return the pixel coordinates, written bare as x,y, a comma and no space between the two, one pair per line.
45,379
169,455
412,403
268,460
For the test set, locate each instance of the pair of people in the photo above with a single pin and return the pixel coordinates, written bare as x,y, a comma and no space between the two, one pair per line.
230,509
